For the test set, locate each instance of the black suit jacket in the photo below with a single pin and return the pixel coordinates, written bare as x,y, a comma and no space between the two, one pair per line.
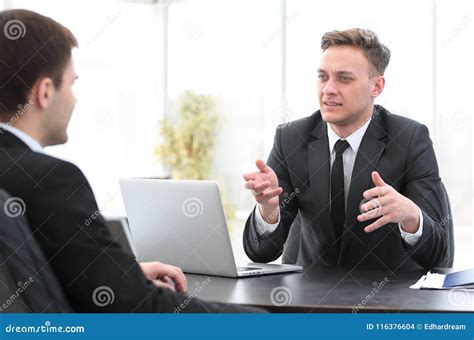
65,221
400,150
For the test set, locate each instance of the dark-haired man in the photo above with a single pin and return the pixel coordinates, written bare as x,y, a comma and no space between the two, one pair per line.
36,103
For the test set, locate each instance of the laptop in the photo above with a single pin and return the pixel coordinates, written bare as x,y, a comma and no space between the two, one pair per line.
182,222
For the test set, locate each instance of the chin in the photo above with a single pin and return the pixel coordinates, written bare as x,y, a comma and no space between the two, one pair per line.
59,140
64,140
333,118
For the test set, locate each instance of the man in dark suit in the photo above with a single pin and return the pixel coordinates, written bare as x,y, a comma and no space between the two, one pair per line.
36,103
364,182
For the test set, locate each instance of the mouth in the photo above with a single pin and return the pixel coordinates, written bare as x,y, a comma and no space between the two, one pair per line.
332,103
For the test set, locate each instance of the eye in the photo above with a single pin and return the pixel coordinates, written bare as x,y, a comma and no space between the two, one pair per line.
344,78
322,77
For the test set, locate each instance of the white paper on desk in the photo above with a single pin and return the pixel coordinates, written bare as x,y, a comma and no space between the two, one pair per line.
463,279
430,281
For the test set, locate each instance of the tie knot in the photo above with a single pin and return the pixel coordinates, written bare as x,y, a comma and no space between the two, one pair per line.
341,146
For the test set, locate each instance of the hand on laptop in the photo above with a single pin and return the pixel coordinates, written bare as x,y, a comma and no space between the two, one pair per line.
264,187
165,276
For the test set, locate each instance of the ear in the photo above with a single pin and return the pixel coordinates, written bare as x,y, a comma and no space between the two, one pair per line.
378,86
42,92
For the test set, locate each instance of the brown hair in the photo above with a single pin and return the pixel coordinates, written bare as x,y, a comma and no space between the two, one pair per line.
376,53
32,46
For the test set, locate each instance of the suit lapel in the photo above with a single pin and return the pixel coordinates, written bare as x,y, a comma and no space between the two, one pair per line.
318,171
370,151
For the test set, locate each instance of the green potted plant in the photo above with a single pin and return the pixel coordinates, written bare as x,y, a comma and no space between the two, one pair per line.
188,141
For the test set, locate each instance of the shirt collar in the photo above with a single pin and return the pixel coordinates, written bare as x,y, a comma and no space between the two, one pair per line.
25,138
354,139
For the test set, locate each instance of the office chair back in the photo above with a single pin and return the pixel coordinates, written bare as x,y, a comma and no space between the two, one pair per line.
22,262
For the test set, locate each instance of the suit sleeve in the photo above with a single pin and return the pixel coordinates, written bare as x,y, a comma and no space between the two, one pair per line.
90,266
424,187
268,248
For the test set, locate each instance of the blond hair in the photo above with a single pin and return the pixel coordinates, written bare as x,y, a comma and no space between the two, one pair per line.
376,53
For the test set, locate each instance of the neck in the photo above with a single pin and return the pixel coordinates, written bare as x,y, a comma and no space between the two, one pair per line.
30,128
344,131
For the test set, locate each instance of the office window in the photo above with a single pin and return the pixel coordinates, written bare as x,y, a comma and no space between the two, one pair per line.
113,130
231,51
453,122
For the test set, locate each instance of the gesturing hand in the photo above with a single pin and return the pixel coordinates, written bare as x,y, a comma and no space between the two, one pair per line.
388,204
264,187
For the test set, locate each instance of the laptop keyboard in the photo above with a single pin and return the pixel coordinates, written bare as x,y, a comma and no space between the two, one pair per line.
243,269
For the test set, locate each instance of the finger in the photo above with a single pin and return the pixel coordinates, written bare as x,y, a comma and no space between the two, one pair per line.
266,196
378,181
370,215
248,185
262,166
377,224
260,188
185,288
176,274
251,184
376,192
177,287
161,284
250,175
374,203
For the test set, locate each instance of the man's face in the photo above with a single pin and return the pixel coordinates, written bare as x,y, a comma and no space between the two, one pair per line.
59,112
345,88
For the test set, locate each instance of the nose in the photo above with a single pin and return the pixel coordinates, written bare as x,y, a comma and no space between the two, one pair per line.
329,88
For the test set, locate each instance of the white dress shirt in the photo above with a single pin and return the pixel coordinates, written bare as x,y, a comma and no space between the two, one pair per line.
348,160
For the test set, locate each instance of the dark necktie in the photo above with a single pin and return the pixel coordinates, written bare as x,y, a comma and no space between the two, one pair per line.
338,209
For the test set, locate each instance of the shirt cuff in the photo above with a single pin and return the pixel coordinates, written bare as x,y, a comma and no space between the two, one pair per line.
410,238
264,228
